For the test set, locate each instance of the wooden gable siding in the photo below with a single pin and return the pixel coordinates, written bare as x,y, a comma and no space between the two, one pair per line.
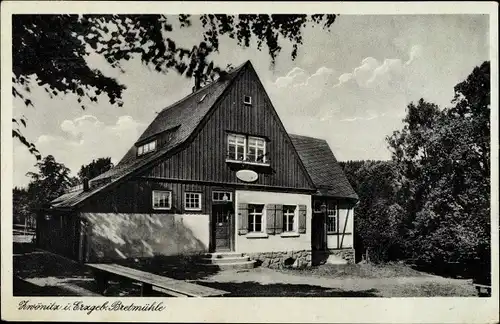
135,196
204,159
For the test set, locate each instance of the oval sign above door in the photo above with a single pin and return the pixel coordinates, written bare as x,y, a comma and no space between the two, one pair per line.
247,175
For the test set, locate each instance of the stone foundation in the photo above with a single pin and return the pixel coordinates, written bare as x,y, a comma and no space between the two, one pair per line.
346,254
278,260
320,257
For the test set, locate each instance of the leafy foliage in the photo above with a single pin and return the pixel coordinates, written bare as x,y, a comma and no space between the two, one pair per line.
443,157
21,207
431,203
95,168
50,182
378,221
50,50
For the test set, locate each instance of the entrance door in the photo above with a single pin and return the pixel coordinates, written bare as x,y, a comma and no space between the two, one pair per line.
318,233
222,216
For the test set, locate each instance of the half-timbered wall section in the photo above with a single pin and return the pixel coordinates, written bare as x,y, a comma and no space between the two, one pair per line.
333,223
341,234
205,158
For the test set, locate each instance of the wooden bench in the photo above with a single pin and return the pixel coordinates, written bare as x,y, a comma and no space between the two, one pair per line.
103,272
483,290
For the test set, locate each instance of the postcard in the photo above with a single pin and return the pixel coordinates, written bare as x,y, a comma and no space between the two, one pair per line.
250,161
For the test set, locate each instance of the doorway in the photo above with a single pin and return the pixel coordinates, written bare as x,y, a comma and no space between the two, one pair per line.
223,223
318,224
318,233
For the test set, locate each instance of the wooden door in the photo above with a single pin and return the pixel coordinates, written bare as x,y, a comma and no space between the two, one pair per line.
223,216
318,233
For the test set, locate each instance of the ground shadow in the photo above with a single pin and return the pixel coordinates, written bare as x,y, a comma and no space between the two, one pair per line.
255,289
22,247
30,263
176,267
453,269
24,288
116,288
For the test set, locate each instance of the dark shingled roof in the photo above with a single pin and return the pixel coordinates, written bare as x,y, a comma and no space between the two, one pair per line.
322,166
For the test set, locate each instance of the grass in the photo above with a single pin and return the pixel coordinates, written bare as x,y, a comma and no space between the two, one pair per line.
432,289
373,271
391,280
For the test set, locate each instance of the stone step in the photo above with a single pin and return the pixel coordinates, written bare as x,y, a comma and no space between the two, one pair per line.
230,266
219,255
335,259
231,259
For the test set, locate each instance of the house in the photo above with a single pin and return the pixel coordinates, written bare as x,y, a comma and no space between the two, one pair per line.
214,172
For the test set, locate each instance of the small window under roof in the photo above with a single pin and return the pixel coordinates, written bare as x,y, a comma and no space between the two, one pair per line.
203,97
146,148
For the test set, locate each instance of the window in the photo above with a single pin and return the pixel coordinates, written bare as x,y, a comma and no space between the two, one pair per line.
331,221
192,201
256,149
255,218
162,199
246,148
224,196
146,148
236,147
247,100
288,218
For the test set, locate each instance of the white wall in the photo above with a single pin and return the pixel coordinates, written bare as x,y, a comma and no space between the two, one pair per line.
118,236
343,213
273,243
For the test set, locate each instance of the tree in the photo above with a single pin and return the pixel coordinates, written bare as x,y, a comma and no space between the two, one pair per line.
95,168
21,206
378,222
411,154
51,181
50,50
443,158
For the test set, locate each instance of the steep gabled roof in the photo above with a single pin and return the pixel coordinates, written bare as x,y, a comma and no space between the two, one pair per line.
322,166
183,117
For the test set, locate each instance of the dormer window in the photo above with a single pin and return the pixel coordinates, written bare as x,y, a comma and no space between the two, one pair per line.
249,149
247,100
146,148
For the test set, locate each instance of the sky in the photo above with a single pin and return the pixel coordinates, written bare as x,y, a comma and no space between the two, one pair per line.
349,86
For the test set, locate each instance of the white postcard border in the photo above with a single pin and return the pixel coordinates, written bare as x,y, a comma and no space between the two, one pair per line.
377,310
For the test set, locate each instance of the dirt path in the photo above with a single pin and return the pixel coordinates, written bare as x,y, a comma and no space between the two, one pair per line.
384,287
